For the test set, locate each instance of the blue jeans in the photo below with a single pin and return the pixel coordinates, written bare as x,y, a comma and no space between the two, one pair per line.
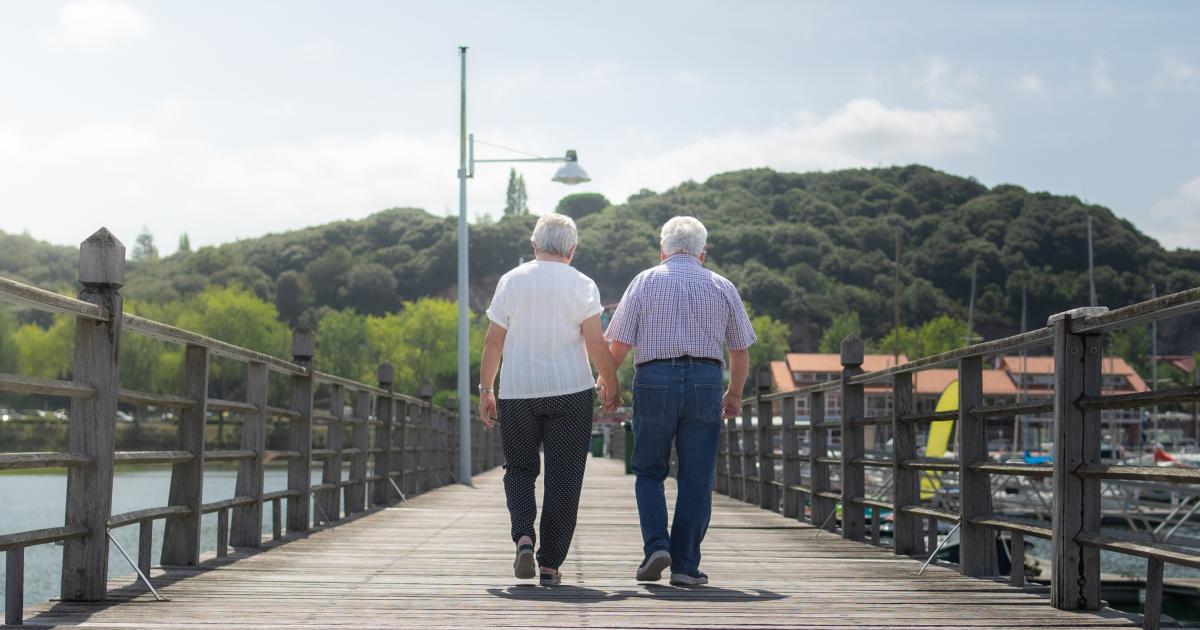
676,402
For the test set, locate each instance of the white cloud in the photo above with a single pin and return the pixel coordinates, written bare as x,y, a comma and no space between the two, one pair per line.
1173,219
942,83
863,132
96,25
1031,83
1100,78
124,176
1176,70
688,79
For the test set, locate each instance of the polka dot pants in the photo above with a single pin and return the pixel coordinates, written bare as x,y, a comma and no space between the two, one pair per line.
562,427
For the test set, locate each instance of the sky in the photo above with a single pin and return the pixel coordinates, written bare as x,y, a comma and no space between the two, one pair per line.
226,120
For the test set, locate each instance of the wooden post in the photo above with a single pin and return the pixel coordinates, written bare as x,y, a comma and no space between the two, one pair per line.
853,477
181,535
427,455
734,455
822,507
222,532
93,420
401,463
332,471
768,496
721,470
145,545
1017,559
977,547
931,535
749,457
1075,582
906,490
299,507
1152,611
276,518
247,519
14,586
793,501
385,407
356,495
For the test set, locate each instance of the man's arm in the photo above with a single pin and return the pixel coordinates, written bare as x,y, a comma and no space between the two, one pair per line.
739,365
599,354
493,348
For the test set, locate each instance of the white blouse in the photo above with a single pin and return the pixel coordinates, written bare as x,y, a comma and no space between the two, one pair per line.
542,305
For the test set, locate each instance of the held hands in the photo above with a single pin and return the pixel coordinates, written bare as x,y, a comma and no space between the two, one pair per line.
730,405
487,409
610,396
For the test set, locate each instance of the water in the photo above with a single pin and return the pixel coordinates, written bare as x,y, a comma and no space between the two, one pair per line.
34,501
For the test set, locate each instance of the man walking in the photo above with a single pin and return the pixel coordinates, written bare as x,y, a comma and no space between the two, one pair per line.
679,316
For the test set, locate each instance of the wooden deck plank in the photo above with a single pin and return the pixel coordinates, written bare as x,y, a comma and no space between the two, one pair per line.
444,560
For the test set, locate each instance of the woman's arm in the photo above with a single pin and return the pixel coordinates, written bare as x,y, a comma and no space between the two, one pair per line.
593,338
493,349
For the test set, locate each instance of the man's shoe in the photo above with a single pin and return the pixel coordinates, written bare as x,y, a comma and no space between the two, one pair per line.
652,567
683,579
524,565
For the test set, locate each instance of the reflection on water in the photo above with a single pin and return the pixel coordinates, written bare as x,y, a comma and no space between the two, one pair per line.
34,501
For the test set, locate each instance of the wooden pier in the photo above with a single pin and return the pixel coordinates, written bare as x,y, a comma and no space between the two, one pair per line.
795,537
443,559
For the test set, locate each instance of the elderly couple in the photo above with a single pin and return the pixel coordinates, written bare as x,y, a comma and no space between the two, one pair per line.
545,323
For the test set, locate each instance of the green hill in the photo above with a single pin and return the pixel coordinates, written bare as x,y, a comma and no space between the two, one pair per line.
802,248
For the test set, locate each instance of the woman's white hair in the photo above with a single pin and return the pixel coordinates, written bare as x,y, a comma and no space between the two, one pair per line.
555,234
683,235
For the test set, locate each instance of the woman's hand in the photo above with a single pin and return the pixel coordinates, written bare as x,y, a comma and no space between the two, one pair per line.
487,409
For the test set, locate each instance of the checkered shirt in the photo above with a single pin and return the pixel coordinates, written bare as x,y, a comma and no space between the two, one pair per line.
680,308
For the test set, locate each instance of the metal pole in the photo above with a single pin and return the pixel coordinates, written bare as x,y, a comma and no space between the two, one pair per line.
1154,366
464,359
1091,268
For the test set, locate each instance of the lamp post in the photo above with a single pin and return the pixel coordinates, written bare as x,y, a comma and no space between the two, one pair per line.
570,173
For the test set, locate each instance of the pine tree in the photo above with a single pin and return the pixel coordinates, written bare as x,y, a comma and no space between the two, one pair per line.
185,244
516,200
144,248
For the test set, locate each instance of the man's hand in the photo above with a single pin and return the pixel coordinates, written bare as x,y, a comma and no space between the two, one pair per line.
731,405
487,409
610,396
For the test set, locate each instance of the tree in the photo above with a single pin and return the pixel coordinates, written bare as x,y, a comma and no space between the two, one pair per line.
772,343
581,205
45,352
516,200
8,352
370,289
292,295
327,274
842,326
342,345
185,244
144,248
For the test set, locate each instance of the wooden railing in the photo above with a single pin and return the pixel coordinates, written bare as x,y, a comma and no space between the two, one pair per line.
747,459
397,442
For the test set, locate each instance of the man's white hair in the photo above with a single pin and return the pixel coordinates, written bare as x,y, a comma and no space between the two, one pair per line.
555,234
683,235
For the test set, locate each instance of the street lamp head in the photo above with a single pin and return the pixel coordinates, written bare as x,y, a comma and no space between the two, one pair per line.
571,173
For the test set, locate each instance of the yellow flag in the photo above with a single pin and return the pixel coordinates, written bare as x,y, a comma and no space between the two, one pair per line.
939,438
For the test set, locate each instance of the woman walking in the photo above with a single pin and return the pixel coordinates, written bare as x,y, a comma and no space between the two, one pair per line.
545,322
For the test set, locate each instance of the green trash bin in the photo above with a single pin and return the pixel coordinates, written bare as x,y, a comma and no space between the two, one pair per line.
597,445
628,448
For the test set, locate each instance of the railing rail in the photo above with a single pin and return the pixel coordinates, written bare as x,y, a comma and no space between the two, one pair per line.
748,457
398,442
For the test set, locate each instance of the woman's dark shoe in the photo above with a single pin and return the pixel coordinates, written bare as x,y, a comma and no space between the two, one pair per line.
524,566
551,579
